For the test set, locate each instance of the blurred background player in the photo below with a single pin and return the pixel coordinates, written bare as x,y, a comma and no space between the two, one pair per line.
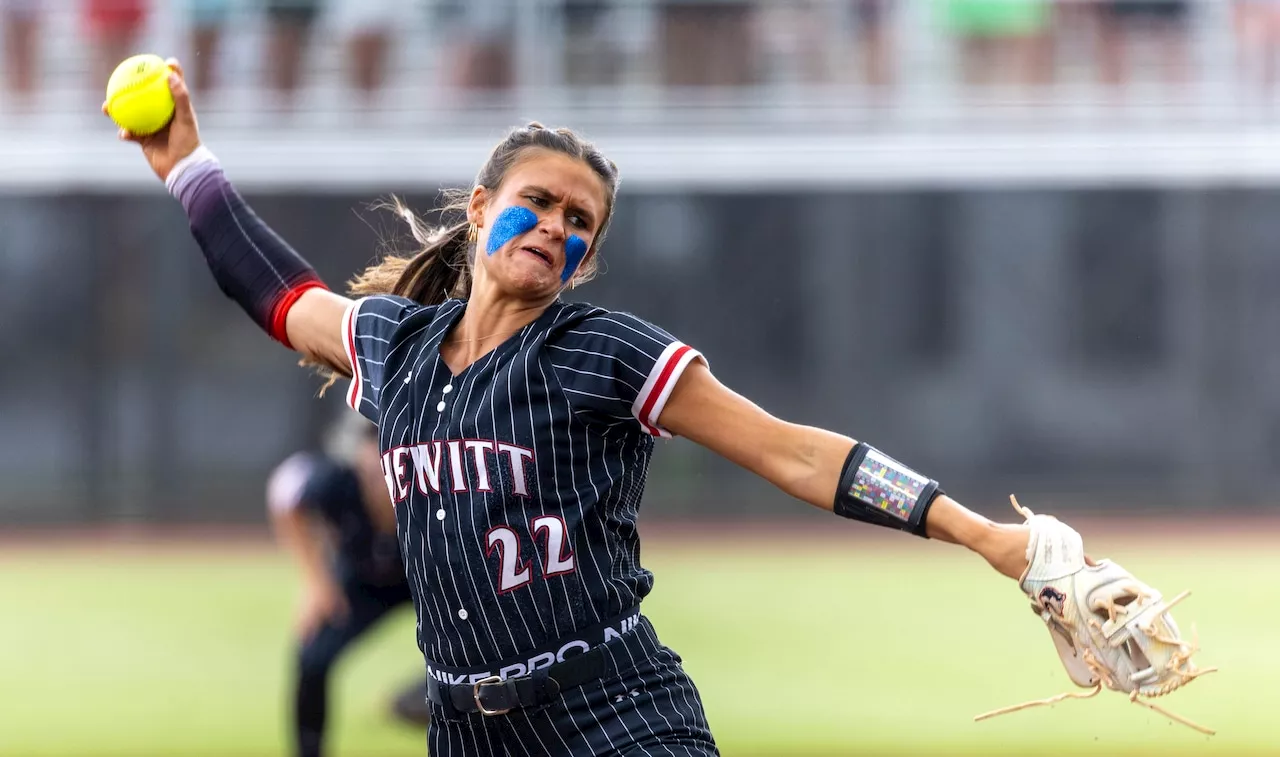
331,511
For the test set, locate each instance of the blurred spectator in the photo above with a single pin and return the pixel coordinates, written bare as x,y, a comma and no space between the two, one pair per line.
792,41
821,41
1257,25
368,25
706,43
1001,41
480,54
21,47
290,23
874,41
113,28
1075,34
208,17
591,54
1162,23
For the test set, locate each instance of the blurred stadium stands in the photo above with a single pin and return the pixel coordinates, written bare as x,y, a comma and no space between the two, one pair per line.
1148,89
1029,246
868,63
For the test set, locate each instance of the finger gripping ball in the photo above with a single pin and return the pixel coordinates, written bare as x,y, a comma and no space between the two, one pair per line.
138,96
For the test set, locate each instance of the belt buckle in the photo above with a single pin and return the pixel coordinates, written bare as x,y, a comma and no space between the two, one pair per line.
475,694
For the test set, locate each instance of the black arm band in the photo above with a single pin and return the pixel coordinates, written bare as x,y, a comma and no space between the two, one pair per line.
250,262
875,488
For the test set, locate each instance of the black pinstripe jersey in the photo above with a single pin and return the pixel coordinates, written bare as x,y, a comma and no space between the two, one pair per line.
516,482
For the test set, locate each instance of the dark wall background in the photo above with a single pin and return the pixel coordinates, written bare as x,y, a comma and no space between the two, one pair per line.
1106,347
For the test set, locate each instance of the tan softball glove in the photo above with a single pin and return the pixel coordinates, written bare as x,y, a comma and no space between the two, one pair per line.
1109,628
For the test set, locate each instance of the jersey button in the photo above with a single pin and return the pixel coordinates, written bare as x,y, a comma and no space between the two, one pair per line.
440,407
462,614
439,514
447,388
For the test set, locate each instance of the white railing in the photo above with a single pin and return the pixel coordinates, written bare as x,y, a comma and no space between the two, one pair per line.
833,93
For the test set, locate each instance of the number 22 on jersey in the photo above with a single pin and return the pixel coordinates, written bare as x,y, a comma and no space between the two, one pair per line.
513,572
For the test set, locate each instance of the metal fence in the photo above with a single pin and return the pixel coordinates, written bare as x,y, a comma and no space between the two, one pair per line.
1101,347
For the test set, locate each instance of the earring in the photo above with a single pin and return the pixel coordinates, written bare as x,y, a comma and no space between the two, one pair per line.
473,234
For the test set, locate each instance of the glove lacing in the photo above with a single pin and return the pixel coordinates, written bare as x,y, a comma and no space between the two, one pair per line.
1177,662
1105,677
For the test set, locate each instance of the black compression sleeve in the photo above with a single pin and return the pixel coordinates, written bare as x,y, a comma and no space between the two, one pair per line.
250,262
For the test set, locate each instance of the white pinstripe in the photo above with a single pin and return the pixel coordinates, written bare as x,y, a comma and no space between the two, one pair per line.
586,457
619,567
487,738
573,482
620,340
534,440
430,354
492,390
602,525
468,376
633,664
604,731
564,585
684,721
426,354
593,353
440,615
607,584
529,720
636,484
608,317
571,369
588,394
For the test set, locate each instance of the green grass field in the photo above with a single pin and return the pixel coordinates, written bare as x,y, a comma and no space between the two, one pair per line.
803,648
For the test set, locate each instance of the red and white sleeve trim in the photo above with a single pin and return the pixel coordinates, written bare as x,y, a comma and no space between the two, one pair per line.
657,387
355,395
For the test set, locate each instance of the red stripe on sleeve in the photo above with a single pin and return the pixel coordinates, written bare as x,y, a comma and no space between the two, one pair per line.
280,311
353,396
658,387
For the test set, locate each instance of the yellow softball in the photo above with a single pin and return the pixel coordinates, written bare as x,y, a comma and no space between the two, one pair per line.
138,96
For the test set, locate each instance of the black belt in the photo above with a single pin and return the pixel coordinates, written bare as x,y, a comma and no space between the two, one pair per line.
495,696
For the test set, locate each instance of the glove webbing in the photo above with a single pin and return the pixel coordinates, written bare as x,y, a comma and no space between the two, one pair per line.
1180,658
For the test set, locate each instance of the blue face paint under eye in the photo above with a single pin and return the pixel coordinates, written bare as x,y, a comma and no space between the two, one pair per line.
516,220
510,224
574,251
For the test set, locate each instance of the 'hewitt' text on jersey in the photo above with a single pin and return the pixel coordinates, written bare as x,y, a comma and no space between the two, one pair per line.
469,462
516,479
